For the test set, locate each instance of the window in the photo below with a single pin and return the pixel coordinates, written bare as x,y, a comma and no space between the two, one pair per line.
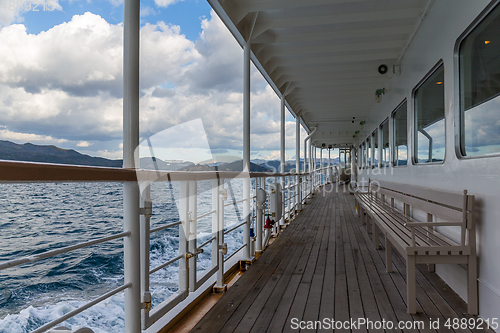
364,154
480,88
375,148
359,157
385,143
399,121
369,152
429,119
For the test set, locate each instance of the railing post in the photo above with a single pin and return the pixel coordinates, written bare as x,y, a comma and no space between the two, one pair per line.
183,236
131,256
131,195
145,236
321,167
215,222
246,146
260,203
220,286
193,208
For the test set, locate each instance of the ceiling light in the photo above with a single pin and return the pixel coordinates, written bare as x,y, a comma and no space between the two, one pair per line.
487,42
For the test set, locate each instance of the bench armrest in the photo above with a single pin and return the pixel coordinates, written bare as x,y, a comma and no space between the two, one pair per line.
433,224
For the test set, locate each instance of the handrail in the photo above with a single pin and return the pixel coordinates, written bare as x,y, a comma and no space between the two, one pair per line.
234,202
165,227
171,261
16,171
208,241
51,253
82,308
232,254
206,214
234,228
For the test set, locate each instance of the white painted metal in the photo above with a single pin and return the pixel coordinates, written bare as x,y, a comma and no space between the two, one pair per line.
131,197
260,203
220,236
246,145
215,222
282,154
298,179
144,252
184,215
192,236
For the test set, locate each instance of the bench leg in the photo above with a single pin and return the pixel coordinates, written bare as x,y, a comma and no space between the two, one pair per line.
388,255
411,297
472,298
375,236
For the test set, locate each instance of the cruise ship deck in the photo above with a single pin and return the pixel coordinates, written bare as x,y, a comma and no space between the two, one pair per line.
324,265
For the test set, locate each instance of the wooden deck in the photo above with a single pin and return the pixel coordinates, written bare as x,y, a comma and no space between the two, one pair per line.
324,265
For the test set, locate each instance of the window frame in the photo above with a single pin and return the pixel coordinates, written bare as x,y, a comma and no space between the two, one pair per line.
459,122
413,128
369,152
392,147
375,136
381,131
358,159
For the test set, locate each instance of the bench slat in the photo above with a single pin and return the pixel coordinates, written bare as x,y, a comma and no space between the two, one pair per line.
395,217
429,207
451,199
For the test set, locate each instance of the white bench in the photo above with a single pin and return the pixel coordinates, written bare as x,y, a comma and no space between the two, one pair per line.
419,242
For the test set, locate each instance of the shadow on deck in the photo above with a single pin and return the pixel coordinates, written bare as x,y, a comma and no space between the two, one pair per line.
322,266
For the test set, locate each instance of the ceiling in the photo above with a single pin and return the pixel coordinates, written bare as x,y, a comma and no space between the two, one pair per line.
324,54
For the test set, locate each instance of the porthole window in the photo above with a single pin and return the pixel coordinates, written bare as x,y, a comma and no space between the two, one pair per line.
400,142
479,57
429,139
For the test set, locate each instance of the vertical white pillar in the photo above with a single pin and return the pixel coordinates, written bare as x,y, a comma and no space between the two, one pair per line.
144,261
282,134
131,196
329,171
321,166
220,238
282,169
183,235
192,240
246,147
215,222
297,190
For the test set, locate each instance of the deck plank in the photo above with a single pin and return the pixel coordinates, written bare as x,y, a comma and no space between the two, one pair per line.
324,265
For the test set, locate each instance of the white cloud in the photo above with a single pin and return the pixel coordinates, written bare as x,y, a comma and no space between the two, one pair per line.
28,137
65,84
146,11
84,144
166,3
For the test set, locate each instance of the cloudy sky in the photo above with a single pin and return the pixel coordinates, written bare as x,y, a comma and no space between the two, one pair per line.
61,79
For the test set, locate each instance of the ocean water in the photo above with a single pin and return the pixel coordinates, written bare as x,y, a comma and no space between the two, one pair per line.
35,218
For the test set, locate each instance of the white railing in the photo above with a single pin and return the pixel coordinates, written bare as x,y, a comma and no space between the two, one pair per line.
189,278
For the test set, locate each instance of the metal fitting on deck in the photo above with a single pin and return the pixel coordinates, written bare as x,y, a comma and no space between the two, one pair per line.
147,210
223,248
190,255
146,300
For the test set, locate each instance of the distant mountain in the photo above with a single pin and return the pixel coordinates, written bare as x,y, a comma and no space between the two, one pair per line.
275,165
51,154
153,163
233,166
